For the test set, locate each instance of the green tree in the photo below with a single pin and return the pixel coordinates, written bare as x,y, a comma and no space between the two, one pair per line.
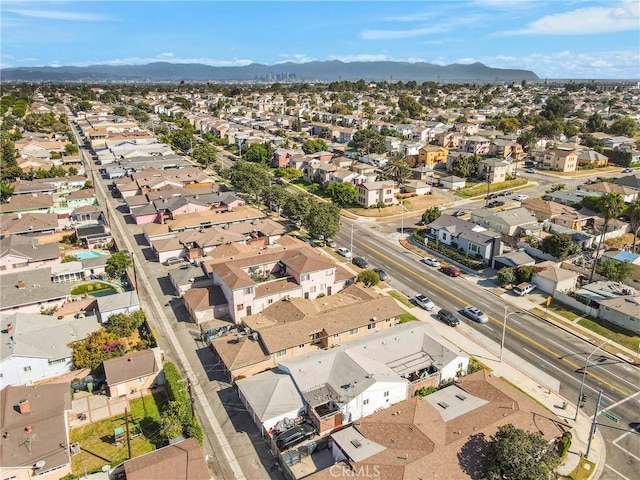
6,190
397,169
97,347
559,245
409,106
171,420
276,195
464,165
595,123
368,141
71,149
256,153
83,106
518,454
611,206
624,126
323,220
250,178
524,273
368,278
297,207
205,154
289,173
342,193
118,264
528,140
314,145
182,139
633,212
430,215
120,111
509,124
123,324
614,270
506,276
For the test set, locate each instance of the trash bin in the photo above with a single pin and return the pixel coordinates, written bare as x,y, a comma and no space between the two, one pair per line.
564,405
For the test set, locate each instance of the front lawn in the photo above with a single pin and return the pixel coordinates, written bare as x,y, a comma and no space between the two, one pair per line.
481,189
97,439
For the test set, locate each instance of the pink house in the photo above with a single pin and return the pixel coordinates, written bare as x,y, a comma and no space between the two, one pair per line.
474,144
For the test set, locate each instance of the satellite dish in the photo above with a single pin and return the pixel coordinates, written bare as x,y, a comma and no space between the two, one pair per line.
39,464
106,468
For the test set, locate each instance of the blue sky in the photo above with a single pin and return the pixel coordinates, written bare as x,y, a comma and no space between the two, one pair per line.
554,38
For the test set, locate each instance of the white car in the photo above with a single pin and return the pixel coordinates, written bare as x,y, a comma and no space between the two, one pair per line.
475,314
344,252
424,302
432,262
530,170
521,197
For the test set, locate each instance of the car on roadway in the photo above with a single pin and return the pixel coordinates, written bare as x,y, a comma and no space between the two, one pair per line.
530,170
627,170
450,271
381,273
360,262
495,203
475,314
345,252
506,193
522,197
294,435
448,317
423,302
432,262
492,196
459,213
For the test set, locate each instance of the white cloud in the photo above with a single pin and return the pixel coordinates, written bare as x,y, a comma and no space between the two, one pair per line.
295,58
585,21
395,34
237,62
360,58
60,15
166,55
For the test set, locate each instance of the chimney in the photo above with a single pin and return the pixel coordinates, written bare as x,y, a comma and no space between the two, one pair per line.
21,285
28,429
25,407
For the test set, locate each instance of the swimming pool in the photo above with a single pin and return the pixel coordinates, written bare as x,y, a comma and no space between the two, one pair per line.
84,254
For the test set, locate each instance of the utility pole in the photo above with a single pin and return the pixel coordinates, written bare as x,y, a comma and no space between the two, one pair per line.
126,418
594,423
191,401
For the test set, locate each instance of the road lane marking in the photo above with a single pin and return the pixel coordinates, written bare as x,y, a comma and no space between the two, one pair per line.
616,472
510,328
623,400
624,449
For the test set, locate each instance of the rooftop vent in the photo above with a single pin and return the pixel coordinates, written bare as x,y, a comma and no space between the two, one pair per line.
356,443
21,285
460,396
443,405
24,406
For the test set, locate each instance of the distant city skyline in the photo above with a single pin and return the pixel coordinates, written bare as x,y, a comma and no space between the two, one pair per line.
555,39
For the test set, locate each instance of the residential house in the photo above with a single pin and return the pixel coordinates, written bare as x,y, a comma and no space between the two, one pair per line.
591,157
353,380
294,327
186,277
599,189
547,209
34,203
469,238
28,224
513,259
125,302
133,373
433,156
554,278
205,303
560,160
622,311
504,148
512,223
416,187
474,144
19,253
630,181
495,170
35,438
36,347
31,291
179,461
452,182
372,193
93,236
252,283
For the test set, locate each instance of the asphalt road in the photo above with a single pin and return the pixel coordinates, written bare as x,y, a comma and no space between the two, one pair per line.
560,354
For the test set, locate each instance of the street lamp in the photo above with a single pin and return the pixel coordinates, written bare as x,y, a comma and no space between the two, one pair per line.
584,375
504,328
402,209
135,275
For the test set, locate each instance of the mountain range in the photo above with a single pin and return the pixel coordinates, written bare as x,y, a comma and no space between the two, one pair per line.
325,71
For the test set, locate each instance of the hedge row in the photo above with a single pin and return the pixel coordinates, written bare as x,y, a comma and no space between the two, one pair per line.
177,391
449,252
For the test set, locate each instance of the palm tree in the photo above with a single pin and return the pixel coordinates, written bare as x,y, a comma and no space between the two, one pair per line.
397,169
633,211
611,206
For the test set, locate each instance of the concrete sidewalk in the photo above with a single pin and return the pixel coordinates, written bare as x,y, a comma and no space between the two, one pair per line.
529,379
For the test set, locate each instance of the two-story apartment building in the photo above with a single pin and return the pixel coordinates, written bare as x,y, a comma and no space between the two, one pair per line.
252,283
372,193
510,223
474,144
560,160
432,155
495,169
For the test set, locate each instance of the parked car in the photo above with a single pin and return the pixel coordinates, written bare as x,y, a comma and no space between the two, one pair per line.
330,243
448,317
459,213
530,170
495,203
491,196
522,197
529,164
432,262
294,435
381,273
360,262
451,271
442,208
424,302
173,261
523,288
627,170
344,252
506,193
475,314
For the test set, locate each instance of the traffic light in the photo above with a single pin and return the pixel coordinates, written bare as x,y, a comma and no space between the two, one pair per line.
583,398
